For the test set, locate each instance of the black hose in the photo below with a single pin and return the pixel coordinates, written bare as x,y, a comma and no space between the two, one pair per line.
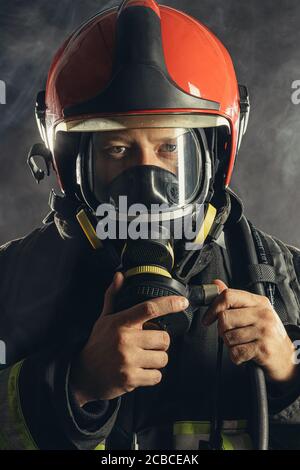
215,440
257,377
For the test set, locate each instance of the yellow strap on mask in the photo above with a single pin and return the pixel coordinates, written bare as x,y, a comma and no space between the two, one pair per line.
88,229
207,225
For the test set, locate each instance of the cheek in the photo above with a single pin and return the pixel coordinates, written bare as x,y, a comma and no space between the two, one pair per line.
171,165
106,170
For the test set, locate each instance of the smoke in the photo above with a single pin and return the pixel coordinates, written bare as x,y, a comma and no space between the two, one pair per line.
263,39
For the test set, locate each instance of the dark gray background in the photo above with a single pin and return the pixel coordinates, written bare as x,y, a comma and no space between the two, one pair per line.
263,38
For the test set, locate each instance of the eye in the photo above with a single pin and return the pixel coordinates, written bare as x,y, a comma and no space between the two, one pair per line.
168,148
117,151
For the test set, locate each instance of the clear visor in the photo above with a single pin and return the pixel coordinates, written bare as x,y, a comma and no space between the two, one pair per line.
148,165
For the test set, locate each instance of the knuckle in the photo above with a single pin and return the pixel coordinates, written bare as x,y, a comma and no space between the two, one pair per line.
150,309
227,295
123,359
268,316
234,354
265,301
268,310
269,330
165,339
165,359
238,354
223,319
265,350
122,353
172,304
268,325
128,380
122,339
157,377
231,336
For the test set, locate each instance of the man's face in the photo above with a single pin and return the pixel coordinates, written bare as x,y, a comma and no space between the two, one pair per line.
116,151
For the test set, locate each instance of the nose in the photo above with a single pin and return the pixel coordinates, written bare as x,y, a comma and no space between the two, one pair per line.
146,156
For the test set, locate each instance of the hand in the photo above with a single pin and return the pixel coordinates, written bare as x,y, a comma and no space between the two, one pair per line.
251,329
119,355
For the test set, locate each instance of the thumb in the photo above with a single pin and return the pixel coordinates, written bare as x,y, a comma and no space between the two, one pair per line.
115,286
221,285
206,321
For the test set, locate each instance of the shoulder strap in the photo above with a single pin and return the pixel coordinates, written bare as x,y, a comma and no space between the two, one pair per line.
278,270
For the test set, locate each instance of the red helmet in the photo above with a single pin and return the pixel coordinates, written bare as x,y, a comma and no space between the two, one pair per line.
139,63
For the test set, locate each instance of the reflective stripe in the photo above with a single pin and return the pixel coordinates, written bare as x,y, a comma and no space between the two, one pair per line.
191,427
14,433
16,409
226,443
187,434
100,446
4,444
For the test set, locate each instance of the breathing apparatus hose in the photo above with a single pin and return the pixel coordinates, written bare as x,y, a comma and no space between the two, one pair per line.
257,377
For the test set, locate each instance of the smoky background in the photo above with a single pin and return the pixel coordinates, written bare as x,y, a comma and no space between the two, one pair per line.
263,38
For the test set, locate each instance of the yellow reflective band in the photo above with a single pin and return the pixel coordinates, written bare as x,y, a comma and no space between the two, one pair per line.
207,224
191,427
226,444
187,434
100,446
4,443
147,270
15,408
88,229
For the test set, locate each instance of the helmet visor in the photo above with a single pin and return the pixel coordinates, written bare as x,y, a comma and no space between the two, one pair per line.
149,166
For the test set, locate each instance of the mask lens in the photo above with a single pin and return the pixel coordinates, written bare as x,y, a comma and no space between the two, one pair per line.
150,165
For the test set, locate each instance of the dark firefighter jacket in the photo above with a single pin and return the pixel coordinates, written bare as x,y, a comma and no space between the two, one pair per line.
51,293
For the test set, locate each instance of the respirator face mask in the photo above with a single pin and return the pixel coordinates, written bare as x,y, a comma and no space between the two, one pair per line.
147,166
159,173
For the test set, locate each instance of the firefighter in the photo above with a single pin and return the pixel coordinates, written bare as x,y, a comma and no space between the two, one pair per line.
142,101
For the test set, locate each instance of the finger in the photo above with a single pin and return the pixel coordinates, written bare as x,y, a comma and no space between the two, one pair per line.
240,335
152,339
108,306
140,313
232,299
237,318
148,377
243,352
152,359
145,377
222,286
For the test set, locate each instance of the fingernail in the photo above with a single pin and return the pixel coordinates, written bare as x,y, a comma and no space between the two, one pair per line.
184,303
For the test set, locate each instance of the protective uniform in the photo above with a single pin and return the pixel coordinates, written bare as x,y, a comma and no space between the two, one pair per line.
168,71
